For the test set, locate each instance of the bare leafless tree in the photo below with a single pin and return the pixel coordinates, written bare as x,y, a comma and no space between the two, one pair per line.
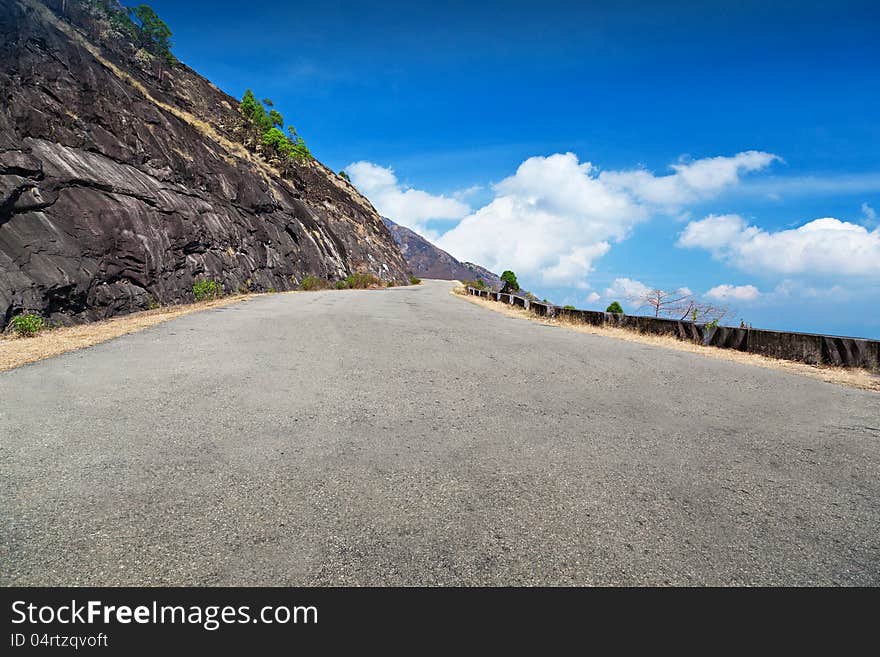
703,311
682,305
664,303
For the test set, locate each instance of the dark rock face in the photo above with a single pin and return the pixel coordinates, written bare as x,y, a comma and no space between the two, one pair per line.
123,181
429,261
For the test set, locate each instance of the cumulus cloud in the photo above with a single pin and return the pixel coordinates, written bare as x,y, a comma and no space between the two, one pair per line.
593,297
822,246
549,222
627,288
733,293
409,207
556,216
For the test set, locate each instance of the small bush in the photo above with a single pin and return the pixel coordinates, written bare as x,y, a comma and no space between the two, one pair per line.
415,281
614,307
341,285
310,283
477,284
28,325
390,284
568,307
272,290
207,289
359,281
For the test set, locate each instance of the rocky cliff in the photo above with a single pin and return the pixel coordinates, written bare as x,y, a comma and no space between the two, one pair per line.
123,180
429,261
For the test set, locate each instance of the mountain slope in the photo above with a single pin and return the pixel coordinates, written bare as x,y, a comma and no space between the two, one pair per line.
429,261
124,179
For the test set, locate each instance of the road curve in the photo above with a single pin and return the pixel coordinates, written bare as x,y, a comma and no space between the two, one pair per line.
405,436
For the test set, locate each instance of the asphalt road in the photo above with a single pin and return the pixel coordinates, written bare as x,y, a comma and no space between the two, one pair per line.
406,436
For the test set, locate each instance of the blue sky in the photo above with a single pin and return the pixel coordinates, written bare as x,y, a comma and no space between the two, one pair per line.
469,120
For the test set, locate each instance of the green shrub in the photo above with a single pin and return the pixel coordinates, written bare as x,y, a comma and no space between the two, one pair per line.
614,307
477,284
390,284
359,281
207,289
28,325
341,285
312,283
344,176
272,290
568,307
274,138
415,281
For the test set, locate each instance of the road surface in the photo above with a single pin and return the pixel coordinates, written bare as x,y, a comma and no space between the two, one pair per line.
405,436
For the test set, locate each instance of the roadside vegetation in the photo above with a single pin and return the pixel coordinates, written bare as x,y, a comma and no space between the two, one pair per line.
358,281
510,282
477,284
28,325
207,289
311,283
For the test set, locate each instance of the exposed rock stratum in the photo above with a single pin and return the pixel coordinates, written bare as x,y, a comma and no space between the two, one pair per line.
123,181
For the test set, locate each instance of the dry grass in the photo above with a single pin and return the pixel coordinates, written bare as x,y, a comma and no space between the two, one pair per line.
16,351
853,378
203,127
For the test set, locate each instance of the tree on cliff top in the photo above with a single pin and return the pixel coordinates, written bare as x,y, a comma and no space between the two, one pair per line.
268,126
155,34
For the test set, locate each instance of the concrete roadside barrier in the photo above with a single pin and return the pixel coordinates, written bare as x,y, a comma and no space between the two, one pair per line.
810,348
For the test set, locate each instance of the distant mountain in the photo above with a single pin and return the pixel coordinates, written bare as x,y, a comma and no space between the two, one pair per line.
429,261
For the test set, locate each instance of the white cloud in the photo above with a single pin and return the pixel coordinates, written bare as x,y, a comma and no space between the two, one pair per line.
869,213
548,222
409,207
691,182
627,288
776,187
733,293
823,246
593,297
798,289
556,216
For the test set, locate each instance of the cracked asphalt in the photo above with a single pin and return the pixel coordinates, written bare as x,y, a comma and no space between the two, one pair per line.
405,436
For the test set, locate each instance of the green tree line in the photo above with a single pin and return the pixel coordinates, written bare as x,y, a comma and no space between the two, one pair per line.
269,123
